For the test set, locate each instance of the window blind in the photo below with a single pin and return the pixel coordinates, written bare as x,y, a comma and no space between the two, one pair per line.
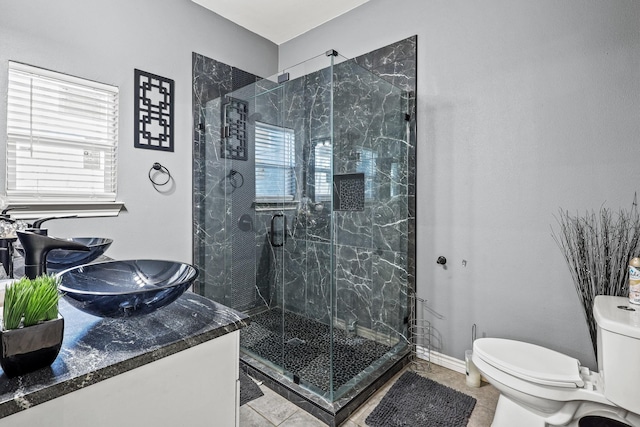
275,162
62,136
323,178
367,164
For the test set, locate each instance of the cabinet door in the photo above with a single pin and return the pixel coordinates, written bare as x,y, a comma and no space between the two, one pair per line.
197,387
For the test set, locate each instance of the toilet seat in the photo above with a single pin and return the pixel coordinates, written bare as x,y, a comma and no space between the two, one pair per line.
530,362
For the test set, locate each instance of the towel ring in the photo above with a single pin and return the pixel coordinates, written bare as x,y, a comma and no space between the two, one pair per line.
163,170
233,181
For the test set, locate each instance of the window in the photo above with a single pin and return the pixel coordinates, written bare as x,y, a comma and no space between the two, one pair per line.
322,173
367,164
275,163
62,135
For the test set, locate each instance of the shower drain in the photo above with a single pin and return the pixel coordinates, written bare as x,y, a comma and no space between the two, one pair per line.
296,341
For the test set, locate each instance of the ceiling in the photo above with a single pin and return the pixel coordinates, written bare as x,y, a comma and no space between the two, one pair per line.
280,20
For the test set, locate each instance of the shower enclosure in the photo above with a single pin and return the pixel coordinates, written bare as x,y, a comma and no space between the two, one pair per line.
302,213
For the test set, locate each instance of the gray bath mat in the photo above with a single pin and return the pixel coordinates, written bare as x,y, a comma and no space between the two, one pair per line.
417,401
249,390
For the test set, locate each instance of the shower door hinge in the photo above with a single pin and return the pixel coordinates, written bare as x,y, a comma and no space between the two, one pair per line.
201,127
284,77
407,117
405,320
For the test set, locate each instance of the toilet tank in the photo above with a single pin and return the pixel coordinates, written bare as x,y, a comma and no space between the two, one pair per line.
619,350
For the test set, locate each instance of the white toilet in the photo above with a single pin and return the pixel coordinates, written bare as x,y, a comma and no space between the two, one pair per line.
541,387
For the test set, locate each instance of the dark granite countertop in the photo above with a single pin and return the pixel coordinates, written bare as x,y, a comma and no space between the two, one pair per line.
95,348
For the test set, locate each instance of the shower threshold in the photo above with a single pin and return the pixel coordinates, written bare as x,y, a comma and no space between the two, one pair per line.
361,366
331,413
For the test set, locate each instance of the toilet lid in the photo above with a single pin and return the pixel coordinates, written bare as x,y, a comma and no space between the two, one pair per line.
530,362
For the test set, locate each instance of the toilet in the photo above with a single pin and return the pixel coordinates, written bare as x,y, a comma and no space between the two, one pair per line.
540,387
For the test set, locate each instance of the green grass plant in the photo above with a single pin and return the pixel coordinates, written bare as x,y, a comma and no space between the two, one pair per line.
28,302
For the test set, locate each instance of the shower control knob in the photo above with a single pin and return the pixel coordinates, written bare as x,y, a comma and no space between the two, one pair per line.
441,260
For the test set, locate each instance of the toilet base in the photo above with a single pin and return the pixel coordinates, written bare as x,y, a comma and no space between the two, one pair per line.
508,414
594,421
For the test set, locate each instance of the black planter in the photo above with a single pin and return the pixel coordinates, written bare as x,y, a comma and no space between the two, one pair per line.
28,349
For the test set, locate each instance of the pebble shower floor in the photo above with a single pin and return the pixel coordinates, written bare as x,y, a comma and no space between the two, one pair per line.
306,351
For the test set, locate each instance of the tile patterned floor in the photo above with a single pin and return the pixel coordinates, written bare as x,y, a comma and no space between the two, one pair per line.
273,410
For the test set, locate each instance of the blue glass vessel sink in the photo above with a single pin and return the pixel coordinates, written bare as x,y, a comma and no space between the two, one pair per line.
61,259
125,288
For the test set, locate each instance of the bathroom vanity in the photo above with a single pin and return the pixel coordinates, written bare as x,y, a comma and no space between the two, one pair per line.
176,366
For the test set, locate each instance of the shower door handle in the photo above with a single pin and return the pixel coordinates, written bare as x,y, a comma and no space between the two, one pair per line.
273,234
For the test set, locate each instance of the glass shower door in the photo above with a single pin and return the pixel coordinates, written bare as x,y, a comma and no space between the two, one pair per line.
370,217
260,222
289,132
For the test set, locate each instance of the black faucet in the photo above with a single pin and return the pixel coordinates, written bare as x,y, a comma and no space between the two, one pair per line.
37,246
7,243
36,227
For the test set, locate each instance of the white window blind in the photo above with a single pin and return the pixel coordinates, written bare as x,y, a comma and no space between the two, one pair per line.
62,136
323,178
275,163
367,164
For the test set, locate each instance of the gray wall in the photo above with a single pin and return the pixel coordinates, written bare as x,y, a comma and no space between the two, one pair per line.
523,108
105,41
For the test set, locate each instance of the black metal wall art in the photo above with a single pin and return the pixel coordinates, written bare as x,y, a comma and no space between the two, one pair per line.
153,111
234,129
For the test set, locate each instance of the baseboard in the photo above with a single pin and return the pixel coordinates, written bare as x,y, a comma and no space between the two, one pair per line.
441,360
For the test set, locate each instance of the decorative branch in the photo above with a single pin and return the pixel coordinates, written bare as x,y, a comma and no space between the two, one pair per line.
597,249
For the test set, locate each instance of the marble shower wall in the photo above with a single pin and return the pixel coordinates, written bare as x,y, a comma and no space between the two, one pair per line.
372,254
227,257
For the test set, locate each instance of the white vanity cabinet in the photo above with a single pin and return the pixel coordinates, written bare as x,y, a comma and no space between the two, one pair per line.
196,386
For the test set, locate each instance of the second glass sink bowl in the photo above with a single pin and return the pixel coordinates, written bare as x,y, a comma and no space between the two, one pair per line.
61,259
125,288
